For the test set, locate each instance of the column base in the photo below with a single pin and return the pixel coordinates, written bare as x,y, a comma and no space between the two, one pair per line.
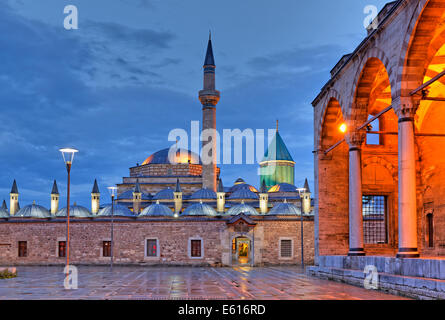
408,253
355,252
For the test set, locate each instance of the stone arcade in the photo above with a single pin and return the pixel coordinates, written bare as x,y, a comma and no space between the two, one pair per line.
379,187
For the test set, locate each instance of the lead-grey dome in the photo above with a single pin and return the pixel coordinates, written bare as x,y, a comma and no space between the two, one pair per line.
75,211
165,194
33,211
156,210
118,211
203,194
242,208
128,195
4,213
199,209
285,208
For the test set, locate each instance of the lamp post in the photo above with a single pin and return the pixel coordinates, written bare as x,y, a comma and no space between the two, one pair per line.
112,191
301,191
68,157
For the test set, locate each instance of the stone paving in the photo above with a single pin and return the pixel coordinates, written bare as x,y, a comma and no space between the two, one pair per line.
281,283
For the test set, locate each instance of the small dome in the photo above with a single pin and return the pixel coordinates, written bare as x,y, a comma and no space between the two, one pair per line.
203,194
156,210
118,211
199,209
239,181
33,211
243,194
165,194
75,211
242,208
4,213
285,208
242,185
283,187
182,156
128,195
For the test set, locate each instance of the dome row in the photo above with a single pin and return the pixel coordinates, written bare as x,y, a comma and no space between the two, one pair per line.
154,210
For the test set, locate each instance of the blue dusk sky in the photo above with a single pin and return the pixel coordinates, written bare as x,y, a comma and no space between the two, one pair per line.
115,87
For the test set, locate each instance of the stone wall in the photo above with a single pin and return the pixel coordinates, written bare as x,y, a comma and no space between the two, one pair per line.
87,236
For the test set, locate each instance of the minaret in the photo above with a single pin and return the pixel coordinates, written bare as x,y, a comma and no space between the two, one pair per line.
264,198
14,199
137,197
209,98
178,197
306,198
54,199
220,198
95,198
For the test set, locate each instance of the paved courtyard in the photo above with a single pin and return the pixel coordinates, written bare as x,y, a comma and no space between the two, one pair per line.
179,283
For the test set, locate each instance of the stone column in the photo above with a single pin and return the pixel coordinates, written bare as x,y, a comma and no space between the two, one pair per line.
355,140
406,108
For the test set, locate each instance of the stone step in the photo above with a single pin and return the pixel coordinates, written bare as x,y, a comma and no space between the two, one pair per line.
414,287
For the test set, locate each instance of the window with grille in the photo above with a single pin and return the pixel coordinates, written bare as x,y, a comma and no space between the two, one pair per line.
152,248
374,219
106,246
430,230
62,249
286,248
23,249
195,251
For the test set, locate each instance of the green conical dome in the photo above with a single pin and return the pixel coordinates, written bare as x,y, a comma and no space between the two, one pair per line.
277,150
278,165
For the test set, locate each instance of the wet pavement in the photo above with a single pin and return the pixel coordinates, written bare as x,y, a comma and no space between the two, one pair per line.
281,283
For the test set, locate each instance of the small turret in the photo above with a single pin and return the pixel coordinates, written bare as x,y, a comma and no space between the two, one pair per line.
220,198
54,199
137,197
306,198
264,198
14,199
4,206
95,198
178,197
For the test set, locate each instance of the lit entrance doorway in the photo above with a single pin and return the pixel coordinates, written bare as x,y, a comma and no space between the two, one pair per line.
241,251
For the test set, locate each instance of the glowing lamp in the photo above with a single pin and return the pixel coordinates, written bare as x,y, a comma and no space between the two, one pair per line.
68,155
343,128
112,191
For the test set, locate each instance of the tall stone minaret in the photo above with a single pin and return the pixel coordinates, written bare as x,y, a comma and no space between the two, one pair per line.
209,98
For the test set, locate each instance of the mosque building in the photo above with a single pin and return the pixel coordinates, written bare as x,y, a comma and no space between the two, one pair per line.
173,211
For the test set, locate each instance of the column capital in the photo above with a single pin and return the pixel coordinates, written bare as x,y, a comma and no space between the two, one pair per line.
406,107
355,139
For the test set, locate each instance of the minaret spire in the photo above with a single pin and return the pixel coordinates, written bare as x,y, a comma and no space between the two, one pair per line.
209,98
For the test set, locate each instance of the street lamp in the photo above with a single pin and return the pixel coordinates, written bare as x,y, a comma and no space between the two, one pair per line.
301,191
68,157
112,191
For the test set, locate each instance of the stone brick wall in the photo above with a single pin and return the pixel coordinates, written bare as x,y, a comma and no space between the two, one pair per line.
87,237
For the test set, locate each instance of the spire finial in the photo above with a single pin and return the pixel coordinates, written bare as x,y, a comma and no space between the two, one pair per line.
210,34
277,125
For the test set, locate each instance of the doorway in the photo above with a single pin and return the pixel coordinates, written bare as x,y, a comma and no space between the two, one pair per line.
241,250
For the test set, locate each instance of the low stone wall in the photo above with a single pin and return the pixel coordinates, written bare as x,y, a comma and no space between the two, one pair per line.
415,278
173,240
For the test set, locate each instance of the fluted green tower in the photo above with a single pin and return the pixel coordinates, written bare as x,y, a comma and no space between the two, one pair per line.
277,165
